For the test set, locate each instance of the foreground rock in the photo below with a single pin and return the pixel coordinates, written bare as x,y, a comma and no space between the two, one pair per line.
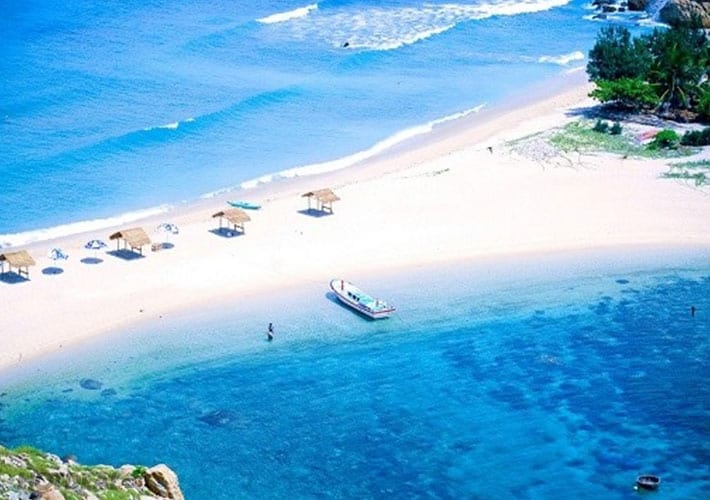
26,473
684,10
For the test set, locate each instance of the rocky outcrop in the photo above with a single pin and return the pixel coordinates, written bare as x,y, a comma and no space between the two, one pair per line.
683,10
638,5
163,482
26,473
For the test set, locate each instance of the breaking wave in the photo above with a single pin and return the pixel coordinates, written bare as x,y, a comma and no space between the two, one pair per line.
388,28
563,59
360,156
287,16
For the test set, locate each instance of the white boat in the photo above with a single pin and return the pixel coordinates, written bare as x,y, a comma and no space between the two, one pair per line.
363,303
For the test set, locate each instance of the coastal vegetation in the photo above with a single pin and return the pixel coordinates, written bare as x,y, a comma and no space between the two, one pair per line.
585,136
27,472
696,171
664,72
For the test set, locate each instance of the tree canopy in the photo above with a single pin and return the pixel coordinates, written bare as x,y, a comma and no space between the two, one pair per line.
665,71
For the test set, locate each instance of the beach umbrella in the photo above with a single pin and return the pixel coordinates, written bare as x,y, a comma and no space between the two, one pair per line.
95,245
57,254
168,228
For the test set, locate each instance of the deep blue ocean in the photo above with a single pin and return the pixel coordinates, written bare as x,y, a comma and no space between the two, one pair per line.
563,376
111,109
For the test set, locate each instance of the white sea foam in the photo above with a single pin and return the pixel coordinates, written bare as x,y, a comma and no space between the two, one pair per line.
347,161
575,69
388,28
562,59
287,16
169,126
28,237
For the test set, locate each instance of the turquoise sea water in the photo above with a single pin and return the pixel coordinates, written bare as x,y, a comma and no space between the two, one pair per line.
563,376
109,109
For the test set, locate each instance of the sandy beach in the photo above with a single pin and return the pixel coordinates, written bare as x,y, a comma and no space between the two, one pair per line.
460,194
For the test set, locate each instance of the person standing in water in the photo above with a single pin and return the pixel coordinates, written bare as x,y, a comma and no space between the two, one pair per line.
270,332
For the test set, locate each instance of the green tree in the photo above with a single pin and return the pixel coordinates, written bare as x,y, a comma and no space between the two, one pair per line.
616,55
703,107
680,60
630,93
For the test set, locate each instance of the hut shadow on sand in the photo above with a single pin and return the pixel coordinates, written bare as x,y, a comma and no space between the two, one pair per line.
235,219
19,260
133,242
324,199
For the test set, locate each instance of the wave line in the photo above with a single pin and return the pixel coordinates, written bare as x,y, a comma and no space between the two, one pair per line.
281,17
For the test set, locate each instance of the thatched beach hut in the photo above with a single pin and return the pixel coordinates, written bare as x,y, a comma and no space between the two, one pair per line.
20,260
324,199
135,238
234,216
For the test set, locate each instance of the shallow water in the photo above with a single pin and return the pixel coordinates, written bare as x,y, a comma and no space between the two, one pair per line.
549,377
173,100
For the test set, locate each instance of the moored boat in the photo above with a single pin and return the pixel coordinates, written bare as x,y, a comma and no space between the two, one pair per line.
363,303
244,204
648,482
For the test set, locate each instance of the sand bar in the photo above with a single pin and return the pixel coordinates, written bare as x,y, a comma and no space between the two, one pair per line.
445,198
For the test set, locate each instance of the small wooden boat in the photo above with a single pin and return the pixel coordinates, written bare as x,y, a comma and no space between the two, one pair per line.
363,303
648,482
244,204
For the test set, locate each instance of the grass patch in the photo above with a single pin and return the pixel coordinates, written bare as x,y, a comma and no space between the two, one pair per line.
117,495
697,172
581,137
13,471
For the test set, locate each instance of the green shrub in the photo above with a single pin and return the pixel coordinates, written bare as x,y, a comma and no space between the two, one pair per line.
665,139
615,129
601,127
703,107
696,138
139,471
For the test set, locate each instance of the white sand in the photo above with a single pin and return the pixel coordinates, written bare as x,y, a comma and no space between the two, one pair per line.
445,199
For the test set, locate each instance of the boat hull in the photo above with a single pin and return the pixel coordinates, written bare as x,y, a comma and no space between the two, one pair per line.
244,204
357,300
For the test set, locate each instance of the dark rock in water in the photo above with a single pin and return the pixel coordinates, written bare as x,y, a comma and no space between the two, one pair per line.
108,392
68,390
90,384
638,5
217,418
622,282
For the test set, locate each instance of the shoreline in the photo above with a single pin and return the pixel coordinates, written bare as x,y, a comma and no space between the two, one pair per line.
437,129
443,199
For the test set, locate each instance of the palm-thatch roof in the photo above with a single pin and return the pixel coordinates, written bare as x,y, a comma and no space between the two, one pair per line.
324,199
136,238
234,215
19,258
325,195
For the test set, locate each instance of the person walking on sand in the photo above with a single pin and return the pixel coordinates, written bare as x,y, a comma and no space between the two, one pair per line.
270,332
